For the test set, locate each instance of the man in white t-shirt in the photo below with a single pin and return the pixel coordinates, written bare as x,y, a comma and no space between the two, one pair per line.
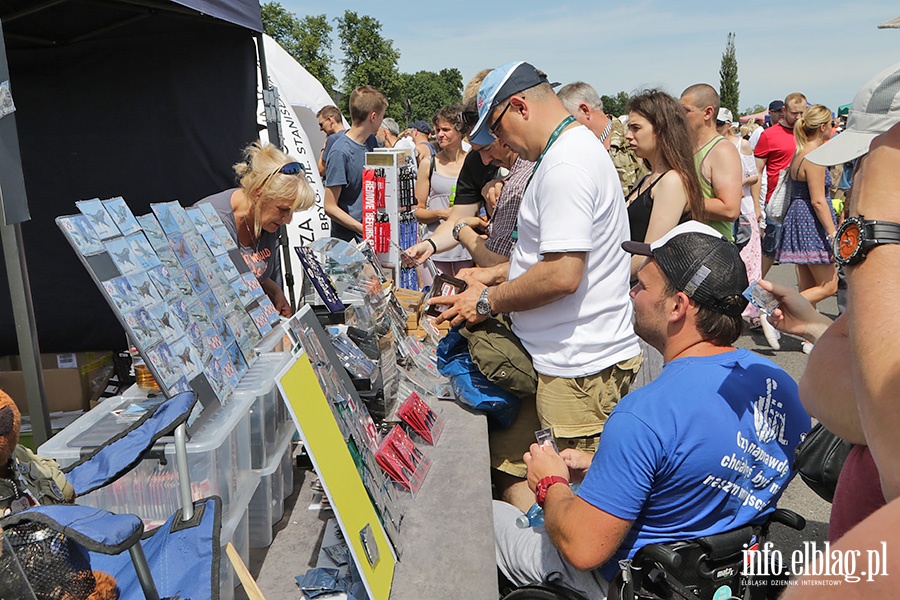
567,284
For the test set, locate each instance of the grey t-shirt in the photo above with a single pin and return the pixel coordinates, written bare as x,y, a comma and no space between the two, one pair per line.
344,167
261,257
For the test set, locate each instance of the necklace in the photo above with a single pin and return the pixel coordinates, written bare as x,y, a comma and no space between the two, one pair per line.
253,239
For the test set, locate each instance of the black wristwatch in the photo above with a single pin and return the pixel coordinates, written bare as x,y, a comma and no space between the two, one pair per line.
457,228
857,236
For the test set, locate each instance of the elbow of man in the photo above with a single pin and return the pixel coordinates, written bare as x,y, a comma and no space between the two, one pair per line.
581,558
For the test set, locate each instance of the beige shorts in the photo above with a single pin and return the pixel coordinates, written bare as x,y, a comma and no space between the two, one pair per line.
578,407
578,412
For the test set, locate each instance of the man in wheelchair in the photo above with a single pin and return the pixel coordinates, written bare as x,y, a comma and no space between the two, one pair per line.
704,449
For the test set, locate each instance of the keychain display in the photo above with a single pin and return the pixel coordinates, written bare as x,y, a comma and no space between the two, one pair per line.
402,460
416,413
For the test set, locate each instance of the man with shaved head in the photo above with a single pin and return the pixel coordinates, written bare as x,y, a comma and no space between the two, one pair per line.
718,165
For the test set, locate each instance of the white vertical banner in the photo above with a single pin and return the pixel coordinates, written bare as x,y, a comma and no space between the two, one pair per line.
300,96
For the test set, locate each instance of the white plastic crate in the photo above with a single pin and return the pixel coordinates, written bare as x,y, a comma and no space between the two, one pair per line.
267,505
218,453
236,529
267,411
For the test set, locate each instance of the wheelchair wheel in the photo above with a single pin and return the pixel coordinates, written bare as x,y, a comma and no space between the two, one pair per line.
542,592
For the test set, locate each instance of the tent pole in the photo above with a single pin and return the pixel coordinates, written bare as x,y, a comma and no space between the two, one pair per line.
26,331
275,138
13,211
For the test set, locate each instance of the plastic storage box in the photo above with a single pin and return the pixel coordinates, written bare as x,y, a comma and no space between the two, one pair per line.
268,412
267,505
218,453
236,529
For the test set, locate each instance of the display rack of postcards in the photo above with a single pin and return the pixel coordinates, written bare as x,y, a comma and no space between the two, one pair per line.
177,282
357,426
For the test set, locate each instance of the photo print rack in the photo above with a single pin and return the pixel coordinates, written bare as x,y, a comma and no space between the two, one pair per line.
176,281
356,425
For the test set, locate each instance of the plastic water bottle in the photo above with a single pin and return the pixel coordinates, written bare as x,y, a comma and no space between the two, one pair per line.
533,518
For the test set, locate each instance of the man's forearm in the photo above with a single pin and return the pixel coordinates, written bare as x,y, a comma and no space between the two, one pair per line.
477,248
555,277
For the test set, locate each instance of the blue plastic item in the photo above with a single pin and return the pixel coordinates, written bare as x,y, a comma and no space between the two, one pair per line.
471,386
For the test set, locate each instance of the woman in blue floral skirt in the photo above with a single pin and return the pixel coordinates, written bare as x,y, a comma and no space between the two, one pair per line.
810,222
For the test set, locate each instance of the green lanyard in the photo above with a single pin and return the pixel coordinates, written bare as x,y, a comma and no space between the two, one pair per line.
553,136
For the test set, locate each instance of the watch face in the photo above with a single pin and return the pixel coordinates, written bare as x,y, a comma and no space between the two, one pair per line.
847,242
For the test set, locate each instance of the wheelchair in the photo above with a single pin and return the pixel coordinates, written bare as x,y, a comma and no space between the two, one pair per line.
705,568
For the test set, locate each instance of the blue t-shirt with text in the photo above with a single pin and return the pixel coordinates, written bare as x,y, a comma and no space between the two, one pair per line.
705,448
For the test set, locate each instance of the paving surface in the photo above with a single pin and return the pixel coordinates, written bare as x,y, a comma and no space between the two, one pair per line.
298,534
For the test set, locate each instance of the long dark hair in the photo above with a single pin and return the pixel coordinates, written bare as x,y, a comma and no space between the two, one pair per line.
673,139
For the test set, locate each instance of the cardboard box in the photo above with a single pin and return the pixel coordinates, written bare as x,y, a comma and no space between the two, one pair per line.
71,380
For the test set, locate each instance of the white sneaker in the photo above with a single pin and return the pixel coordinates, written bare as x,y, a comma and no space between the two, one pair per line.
772,334
806,347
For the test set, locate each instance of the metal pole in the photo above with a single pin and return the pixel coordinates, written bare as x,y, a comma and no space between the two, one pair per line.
26,330
274,132
145,577
184,475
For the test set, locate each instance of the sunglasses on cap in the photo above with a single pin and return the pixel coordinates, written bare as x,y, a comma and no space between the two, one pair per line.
469,117
291,168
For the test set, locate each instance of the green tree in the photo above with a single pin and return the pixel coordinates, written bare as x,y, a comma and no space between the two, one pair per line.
369,59
428,91
308,40
752,110
729,92
615,105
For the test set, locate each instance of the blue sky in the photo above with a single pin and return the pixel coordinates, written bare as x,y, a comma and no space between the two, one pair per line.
825,49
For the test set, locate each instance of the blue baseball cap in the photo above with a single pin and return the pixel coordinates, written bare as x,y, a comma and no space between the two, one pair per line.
500,84
422,126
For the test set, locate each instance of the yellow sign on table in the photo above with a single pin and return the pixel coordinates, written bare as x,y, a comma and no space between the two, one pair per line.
325,444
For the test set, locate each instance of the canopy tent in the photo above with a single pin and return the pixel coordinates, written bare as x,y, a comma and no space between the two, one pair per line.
147,99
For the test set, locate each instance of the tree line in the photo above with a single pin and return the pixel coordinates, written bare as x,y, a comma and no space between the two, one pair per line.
368,59
371,59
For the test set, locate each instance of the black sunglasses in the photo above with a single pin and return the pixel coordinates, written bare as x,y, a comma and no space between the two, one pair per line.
469,117
292,168
496,122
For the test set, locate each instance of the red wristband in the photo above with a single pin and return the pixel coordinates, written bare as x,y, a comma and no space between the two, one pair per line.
543,486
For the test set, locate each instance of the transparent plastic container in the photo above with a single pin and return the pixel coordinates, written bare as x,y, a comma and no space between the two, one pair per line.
236,529
267,412
267,505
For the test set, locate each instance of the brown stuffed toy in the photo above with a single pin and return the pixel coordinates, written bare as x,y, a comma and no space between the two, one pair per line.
56,567
26,479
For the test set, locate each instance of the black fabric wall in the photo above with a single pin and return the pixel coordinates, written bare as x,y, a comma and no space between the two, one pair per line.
158,112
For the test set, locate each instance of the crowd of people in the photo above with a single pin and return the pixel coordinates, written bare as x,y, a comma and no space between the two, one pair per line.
620,249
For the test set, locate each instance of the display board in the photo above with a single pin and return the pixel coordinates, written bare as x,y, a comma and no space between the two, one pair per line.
179,286
326,443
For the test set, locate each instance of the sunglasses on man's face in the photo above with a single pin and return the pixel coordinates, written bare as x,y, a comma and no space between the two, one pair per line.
292,168
496,123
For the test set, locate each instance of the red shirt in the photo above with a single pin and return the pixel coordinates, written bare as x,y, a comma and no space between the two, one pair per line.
776,145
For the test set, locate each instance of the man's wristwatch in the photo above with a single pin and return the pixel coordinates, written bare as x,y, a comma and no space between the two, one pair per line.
857,236
457,228
483,306
543,486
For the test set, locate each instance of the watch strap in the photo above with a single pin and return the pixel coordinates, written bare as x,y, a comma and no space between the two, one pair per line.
457,228
543,486
882,232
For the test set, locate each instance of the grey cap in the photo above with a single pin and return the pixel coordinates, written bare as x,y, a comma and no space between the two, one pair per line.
875,109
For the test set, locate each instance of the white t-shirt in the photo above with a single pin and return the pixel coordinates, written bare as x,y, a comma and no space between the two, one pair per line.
409,144
574,203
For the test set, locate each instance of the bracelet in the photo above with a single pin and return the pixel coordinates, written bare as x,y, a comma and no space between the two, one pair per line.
433,245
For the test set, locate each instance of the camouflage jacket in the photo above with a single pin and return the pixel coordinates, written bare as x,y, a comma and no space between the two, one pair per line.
37,480
629,166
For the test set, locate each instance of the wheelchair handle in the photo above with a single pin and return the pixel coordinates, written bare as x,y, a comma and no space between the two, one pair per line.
665,556
788,518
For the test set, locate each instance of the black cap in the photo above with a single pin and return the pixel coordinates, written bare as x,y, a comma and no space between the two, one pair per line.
698,261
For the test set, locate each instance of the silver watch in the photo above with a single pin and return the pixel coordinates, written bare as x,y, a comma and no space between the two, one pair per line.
457,228
483,306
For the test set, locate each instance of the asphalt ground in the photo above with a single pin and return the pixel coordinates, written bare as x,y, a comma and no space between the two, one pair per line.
295,546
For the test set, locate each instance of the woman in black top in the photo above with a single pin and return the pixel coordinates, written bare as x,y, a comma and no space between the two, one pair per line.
670,194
